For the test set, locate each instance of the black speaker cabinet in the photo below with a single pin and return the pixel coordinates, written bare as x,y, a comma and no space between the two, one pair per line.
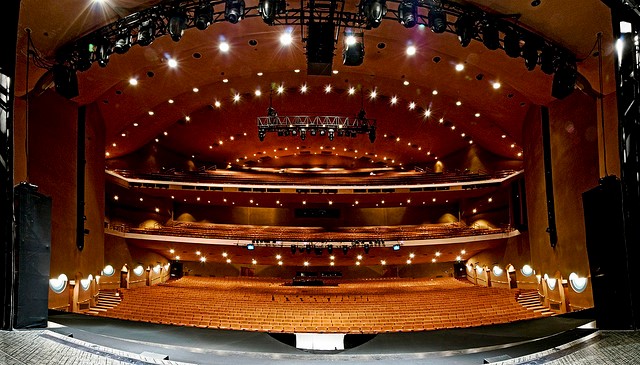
33,252
613,273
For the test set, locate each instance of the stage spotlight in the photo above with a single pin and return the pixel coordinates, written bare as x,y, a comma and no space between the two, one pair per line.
268,10
313,132
437,21
372,135
345,250
366,248
530,53
548,60
261,134
234,11
176,26
203,17
251,247
373,11
512,44
146,32
490,35
396,247
317,250
84,56
303,134
123,43
408,13
331,134
293,249
102,50
353,49
307,248
330,249
465,29
564,80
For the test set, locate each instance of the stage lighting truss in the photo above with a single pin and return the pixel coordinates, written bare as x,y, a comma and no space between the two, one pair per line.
304,125
469,23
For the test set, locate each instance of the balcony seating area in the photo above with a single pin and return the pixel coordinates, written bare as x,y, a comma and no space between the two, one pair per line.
317,234
354,306
314,179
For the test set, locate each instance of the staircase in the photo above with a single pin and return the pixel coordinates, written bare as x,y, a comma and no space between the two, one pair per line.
530,300
106,301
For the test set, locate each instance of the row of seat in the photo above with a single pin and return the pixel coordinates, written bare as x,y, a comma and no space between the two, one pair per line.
318,234
351,307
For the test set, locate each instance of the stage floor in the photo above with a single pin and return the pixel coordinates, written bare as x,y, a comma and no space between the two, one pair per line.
208,346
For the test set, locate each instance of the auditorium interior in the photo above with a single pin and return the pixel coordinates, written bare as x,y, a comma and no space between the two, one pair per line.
302,181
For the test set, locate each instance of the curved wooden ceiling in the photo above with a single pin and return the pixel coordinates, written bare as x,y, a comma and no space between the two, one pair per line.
228,133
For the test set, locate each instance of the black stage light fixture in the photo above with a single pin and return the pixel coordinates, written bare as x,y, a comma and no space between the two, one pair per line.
307,248
465,29
261,134
548,60
293,249
329,249
323,132
490,35
373,11
234,11
437,21
176,25
353,49
408,13
268,10
530,53
512,44
65,81
345,250
564,80
366,248
203,17
331,134
146,32
123,43
396,247
84,52
101,51
251,247
303,134
372,135
317,250
313,132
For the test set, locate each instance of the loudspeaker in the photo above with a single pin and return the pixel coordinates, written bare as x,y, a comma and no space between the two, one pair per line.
320,47
564,82
609,257
66,81
175,272
33,240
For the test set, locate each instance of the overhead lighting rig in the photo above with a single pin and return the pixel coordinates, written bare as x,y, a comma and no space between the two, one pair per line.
321,23
324,125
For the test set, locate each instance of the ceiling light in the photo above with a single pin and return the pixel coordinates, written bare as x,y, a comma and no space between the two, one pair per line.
165,133
427,113
327,89
306,263
133,81
477,115
352,90
513,145
114,144
151,112
172,251
217,104
519,154
458,103
170,101
225,80
459,67
412,105
434,92
383,262
228,261
258,92
195,89
458,258
297,70
394,100
496,85
463,135
172,63
224,47
187,118
335,72
412,255
286,39
453,127
408,262
411,50
463,252
236,98
177,257
405,83
303,88
234,11
373,94
280,89
259,74
254,262
433,260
